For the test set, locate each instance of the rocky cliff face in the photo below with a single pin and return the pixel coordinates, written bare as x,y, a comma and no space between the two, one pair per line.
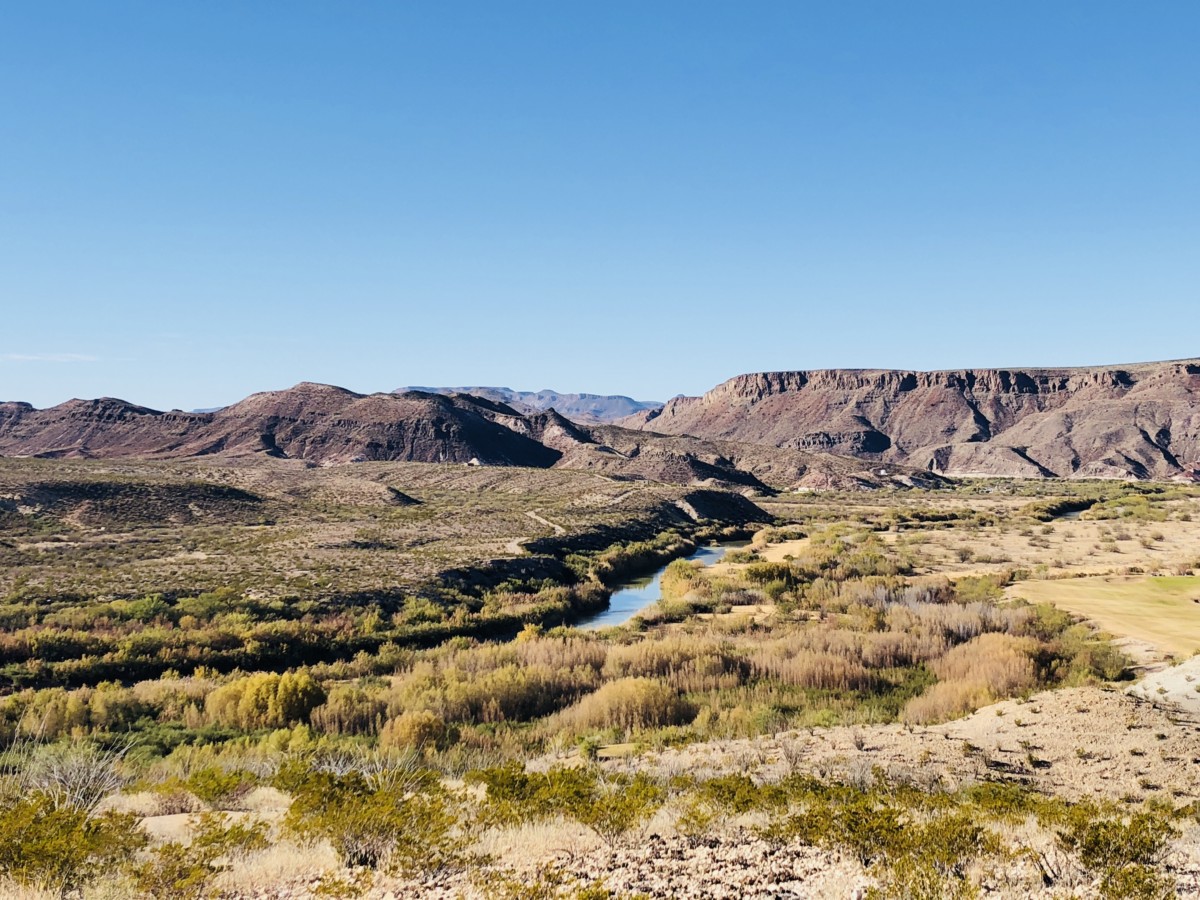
1140,421
833,428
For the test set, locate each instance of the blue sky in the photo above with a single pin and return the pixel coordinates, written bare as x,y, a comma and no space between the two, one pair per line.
200,200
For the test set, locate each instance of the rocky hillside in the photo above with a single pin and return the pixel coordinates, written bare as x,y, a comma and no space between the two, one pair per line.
1137,421
585,408
315,422
329,425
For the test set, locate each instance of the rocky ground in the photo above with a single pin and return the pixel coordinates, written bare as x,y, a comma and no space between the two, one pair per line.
1076,743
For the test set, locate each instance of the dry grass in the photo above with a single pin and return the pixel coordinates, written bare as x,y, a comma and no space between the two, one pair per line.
282,863
1063,548
777,552
973,674
529,844
1088,565
1163,611
781,551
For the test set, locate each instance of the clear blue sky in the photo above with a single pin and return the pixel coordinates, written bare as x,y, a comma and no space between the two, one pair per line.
200,200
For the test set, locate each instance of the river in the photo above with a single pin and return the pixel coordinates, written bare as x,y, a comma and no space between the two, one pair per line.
631,597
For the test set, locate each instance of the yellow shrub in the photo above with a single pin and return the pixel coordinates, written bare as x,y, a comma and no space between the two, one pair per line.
630,704
419,729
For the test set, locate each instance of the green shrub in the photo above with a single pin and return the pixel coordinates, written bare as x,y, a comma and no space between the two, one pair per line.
176,871
415,729
1003,800
860,825
1108,844
911,877
916,843
610,805
1136,882
265,700
948,843
402,822
978,589
738,794
217,787
725,796
617,805
515,797
60,848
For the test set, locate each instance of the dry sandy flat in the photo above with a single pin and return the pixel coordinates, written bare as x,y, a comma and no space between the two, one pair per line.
1162,610
778,552
1178,685
1075,545
769,553
1076,743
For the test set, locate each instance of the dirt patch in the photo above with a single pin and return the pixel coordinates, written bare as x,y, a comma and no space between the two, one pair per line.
1076,743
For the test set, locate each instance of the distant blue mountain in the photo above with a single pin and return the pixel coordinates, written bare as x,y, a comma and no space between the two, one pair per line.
579,407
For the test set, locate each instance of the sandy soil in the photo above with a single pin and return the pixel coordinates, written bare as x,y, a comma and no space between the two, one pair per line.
1076,743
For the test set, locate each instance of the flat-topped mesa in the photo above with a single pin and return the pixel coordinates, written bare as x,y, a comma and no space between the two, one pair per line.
755,386
1137,421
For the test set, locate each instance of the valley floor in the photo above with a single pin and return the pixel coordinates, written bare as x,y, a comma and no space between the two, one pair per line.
887,696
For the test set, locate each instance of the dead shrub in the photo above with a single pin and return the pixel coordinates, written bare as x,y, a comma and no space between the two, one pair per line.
805,668
988,668
1000,662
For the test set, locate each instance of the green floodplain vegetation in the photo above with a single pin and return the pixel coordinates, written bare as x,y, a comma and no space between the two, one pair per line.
399,717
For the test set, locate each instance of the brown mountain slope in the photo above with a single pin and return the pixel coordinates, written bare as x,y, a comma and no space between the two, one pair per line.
330,425
314,422
1140,421
686,459
590,409
107,427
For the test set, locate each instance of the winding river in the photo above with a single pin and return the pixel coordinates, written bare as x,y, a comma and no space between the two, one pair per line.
631,597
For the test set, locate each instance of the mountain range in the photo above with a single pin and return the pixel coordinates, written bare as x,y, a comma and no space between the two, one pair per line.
769,431
591,408
328,425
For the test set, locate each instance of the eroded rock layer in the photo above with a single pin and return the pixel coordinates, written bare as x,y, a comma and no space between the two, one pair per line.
1137,421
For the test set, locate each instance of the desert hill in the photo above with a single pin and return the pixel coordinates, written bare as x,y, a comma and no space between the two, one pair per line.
586,408
328,425
1135,421
106,427
315,422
